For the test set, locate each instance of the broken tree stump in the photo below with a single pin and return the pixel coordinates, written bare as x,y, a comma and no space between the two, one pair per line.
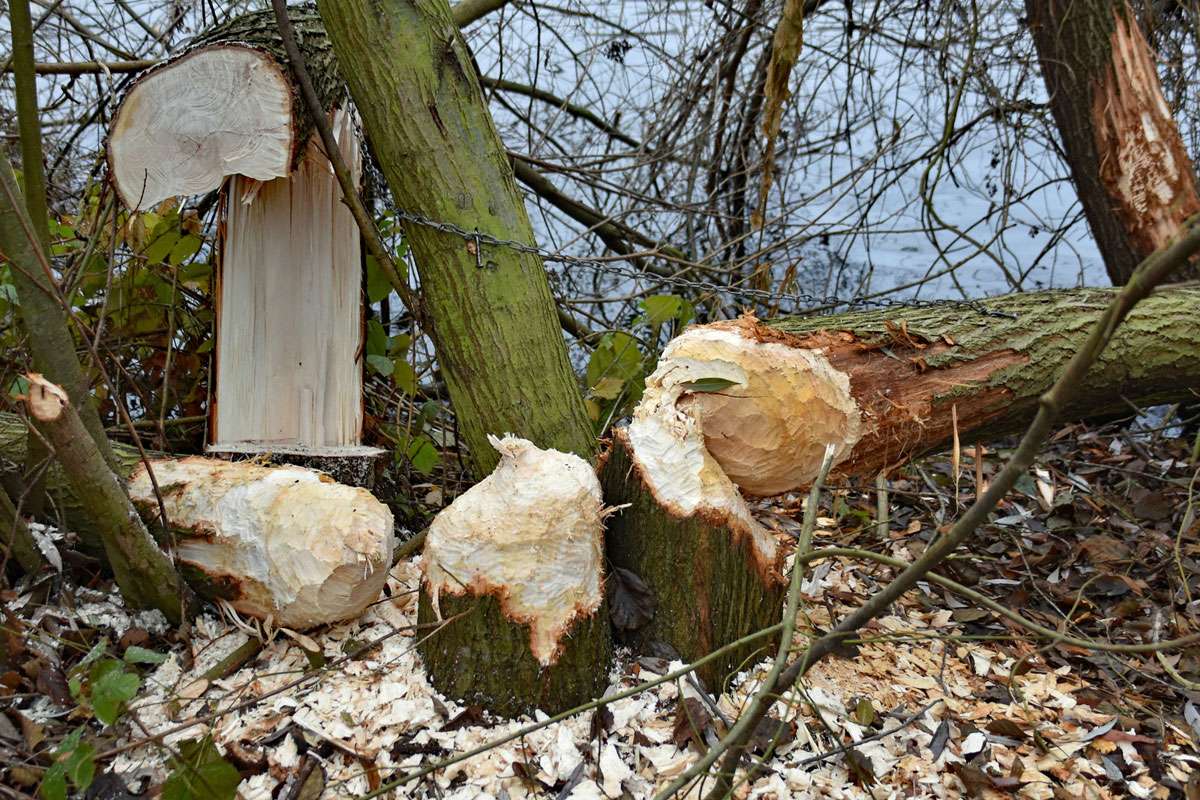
226,114
513,571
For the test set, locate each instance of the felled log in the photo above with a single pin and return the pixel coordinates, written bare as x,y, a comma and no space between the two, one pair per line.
513,571
285,542
747,408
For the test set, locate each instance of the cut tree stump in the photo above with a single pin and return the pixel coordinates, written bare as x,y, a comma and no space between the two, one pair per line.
746,407
512,570
289,312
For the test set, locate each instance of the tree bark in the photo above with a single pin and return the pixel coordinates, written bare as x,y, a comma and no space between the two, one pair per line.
709,586
1127,158
50,340
490,309
514,567
16,538
145,574
883,387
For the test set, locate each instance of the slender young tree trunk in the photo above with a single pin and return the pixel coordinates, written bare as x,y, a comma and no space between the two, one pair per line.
491,313
44,318
16,538
29,123
1130,167
145,574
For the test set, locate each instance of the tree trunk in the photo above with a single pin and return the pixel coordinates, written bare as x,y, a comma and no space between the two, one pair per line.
514,570
744,407
16,539
50,340
1128,161
145,574
491,313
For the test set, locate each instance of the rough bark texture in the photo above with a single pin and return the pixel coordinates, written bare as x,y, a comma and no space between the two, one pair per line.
145,574
483,657
708,589
16,539
50,339
491,312
1128,161
909,366
906,368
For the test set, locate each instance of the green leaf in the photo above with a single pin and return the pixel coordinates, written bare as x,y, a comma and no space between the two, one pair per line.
161,248
377,339
398,345
54,782
184,249
708,385
616,356
80,765
381,364
661,308
199,773
111,687
608,388
422,454
405,377
378,285
141,655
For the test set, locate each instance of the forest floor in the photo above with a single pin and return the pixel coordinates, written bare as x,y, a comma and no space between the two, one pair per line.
941,698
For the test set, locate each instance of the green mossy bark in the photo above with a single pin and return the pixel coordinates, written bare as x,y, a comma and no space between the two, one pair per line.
1153,358
144,573
483,657
50,340
491,314
707,589
63,506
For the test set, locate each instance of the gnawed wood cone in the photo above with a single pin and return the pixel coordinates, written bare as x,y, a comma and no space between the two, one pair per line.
274,541
747,408
513,568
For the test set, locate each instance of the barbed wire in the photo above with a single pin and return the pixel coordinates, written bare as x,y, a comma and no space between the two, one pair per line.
814,302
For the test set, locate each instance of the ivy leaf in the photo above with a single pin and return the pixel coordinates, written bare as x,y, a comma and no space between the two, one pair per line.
422,454
111,687
80,765
378,285
704,385
54,782
200,773
608,388
141,655
381,364
377,339
160,248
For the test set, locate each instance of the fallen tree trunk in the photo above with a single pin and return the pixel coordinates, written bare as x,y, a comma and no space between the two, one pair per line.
278,541
513,568
749,407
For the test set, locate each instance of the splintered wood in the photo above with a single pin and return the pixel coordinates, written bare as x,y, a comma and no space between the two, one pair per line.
288,368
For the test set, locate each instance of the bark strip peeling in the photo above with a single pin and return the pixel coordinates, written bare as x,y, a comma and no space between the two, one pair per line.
1143,163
